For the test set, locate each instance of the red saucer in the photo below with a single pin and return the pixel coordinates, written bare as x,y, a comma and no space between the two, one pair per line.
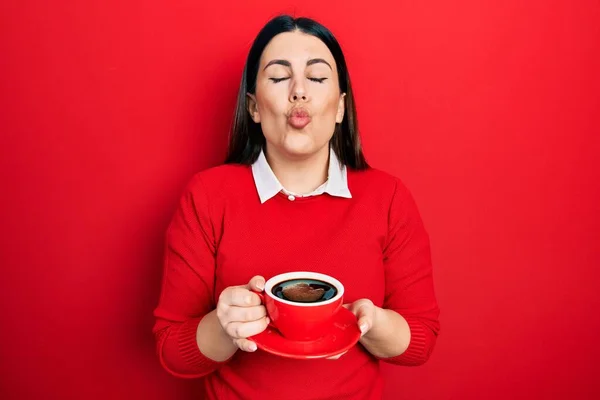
339,338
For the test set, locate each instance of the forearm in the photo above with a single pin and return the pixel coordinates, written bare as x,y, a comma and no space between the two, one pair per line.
212,340
178,345
389,336
193,348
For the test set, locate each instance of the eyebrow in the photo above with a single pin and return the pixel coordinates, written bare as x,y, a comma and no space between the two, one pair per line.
286,63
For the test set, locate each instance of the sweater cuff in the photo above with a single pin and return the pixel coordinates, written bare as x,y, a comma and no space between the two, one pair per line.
188,345
185,358
419,348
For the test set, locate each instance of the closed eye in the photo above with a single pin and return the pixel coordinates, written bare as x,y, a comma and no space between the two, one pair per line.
276,80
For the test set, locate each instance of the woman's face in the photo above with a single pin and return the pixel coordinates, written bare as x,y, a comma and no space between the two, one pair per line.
297,99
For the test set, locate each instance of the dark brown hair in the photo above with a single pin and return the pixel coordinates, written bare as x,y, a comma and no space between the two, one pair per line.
247,140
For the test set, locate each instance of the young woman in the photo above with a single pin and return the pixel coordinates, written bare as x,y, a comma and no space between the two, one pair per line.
294,194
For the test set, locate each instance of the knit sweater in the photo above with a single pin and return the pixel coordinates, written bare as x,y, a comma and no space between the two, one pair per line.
221,235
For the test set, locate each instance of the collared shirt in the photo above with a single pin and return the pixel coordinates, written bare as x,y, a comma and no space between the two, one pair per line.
268,185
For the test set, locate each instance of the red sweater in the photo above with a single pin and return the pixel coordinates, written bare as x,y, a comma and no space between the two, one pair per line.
221,235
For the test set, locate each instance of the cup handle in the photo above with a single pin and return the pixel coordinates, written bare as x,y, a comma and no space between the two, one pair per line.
262,297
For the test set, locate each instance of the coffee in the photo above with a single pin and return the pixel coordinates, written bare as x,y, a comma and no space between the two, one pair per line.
304,290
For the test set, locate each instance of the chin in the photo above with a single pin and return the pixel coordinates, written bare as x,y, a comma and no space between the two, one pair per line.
299,152
299,145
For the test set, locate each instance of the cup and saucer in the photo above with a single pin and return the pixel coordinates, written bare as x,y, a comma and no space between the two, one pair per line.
307,317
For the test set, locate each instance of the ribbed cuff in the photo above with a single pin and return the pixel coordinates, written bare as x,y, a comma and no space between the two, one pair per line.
188,346
185,360
419,348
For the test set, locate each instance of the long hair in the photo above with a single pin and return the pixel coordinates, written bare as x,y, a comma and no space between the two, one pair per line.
246,138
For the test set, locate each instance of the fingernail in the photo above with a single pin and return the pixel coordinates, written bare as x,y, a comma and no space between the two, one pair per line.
363,327
260,286
253,347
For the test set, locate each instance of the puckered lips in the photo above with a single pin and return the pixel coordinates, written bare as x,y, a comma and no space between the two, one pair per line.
298,118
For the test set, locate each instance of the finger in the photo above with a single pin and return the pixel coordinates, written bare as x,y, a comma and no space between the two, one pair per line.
336,357
246,314
257,283
245,345
243,330
364,324
361,309
242,297
223,312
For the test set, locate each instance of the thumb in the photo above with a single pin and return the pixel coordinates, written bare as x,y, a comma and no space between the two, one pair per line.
257,283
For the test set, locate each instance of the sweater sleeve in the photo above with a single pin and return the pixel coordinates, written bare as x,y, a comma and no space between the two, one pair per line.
409,278
187,286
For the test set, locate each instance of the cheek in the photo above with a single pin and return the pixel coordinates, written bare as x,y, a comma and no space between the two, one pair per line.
325,98
329,107
271,102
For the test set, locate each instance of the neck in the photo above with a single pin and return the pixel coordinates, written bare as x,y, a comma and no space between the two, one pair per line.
300,175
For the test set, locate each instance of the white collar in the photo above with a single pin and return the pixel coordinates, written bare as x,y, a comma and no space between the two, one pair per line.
268,185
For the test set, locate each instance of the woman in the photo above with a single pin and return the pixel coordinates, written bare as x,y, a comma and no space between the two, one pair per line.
294,194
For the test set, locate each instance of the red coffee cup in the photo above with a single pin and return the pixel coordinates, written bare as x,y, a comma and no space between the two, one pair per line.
296,320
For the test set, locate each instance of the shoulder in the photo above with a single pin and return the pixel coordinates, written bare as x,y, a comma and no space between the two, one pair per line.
376,181
382,192
220,180
222,174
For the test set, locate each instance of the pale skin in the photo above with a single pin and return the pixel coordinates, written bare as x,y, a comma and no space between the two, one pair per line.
297,71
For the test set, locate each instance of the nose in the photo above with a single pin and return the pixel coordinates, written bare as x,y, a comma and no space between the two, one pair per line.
296,97
298,91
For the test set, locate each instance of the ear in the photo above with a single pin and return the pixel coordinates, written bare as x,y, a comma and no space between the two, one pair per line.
253,107
341,108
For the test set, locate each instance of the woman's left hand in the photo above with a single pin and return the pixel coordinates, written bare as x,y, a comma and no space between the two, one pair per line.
364,310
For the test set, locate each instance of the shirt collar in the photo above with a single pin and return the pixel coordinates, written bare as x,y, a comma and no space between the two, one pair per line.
267,184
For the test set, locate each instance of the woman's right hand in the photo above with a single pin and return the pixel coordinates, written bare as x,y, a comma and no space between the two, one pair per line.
241,313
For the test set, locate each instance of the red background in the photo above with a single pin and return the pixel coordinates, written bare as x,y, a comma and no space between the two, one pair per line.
489,112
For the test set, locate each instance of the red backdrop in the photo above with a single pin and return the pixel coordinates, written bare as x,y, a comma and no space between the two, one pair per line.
489,112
